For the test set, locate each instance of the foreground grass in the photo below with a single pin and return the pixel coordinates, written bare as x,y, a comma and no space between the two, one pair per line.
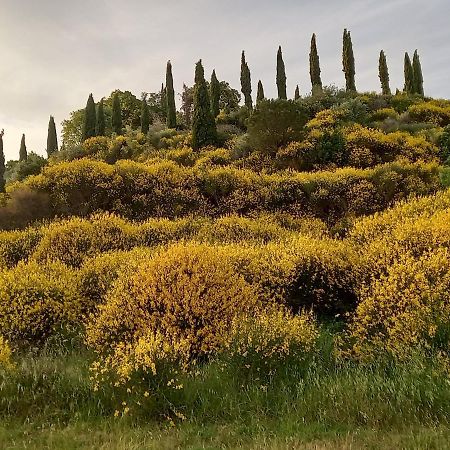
48,402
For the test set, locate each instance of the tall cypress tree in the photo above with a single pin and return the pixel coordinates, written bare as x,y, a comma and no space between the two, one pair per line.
259,93
215,94
281,76
203,125
348,62
297,93
246,82
417,74
383,74
2,163
314,67
101,122
52,138
171,119
145,116
116,115
409,75
23,154
89,119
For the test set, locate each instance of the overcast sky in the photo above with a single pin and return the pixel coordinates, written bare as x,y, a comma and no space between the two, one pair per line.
55,52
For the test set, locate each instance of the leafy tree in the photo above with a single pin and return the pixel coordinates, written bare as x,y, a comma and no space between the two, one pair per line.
383,74
23,155
409,75
281,76
314,67
203,126
348,62
19,170
297,93
90,119
187,104
2,163
215,94
145,116
275,123
52,138
171,119
116,115
229,98
417,74
246,82
260,93
101,121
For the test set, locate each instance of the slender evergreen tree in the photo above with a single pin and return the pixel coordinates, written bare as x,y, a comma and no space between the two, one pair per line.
409,75
145,116
203,125
101,122
23,154
215,94
2,163
259,93
246,82
417,74
281,76
170,98
383,74
163,99
314,67
297,93
89,119
52,138
117,115
348,62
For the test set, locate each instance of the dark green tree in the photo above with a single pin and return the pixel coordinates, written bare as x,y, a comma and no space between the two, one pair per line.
383,74
52,138
348,62
246,82
409,75
90,119
145,116
297,93
281,76
100,128
215,94
2,163
23,154
417,74
260,93
163,100
171,120
203,124
116,115
314,67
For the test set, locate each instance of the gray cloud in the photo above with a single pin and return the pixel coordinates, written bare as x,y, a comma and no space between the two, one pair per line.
54,53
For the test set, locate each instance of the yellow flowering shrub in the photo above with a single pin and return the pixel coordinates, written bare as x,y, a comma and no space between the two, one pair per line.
16,246
436,112
6,362
383,114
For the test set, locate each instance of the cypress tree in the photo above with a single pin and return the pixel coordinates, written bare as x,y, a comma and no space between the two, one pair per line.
163,100
171,118
297,93
23,154
409,75
215,95
101,123
203,125
348,62
417,74
314,67
89,119
52,138
116,115
246,82
383,74
145,116
259,93
281,76
2,163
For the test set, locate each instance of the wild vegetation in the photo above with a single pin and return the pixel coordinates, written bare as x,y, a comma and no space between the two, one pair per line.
272,275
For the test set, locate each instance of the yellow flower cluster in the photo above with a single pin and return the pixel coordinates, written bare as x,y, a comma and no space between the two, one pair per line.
6,362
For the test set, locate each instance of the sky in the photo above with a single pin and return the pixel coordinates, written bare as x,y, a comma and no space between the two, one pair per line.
53,53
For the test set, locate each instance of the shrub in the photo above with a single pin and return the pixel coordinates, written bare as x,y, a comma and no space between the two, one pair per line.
5,355
16,246
434,112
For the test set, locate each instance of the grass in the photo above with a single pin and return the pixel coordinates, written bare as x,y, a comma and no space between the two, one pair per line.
48,402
